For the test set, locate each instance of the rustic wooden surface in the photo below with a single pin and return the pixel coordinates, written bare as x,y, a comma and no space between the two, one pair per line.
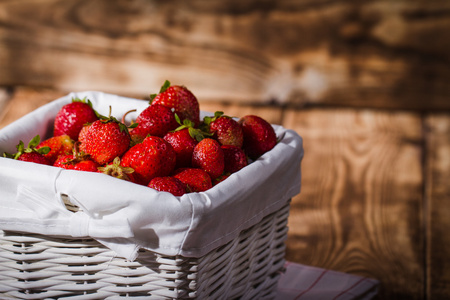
380,53
365,83
437,198
375,193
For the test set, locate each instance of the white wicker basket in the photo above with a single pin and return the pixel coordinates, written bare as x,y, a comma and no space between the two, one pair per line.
224,243
42,267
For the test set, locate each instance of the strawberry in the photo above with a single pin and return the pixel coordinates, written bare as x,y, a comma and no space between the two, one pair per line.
154,157
235,158
34,157
183,140
87,166
155,120
105,139
225,129
59,145
184,103
71,162
209,156
71,118
83,131
183,144
31,153
78,160
168,184
220,178
196,180
259,135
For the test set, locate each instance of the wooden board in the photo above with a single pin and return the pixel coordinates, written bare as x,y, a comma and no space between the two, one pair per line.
360,209
272,114
362,54
374,198
24,100
438,206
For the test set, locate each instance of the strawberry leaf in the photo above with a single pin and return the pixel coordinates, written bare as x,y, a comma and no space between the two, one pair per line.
20,150
188,123
76,99
152,96
43,150
195,134
34,142
8,155
165,86
177,118
116,170
122,127
208,120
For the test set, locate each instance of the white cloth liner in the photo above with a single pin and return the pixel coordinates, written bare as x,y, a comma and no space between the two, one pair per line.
125,216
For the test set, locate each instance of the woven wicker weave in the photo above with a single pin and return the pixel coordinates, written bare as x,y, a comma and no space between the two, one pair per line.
37,267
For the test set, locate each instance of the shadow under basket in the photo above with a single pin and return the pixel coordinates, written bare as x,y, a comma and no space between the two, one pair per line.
248,267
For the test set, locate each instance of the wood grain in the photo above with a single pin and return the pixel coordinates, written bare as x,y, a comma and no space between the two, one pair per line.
374,198
306,53
360,209
24,100
438,209
272,114
5,96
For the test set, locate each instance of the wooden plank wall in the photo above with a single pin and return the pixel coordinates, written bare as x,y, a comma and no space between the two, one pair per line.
374,191
364,83
378,53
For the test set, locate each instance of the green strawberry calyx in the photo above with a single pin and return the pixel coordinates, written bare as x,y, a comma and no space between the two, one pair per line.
78,155
122,126
85,100
196,133
164,87
21,149
116,170
208,120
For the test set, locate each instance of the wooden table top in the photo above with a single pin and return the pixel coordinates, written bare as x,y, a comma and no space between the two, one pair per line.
374,190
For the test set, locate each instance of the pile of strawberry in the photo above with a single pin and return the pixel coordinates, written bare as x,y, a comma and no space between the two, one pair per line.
167,147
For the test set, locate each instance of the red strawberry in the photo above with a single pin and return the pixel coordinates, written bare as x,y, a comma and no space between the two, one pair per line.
235,158
209,156
225,129
71,162
184,103
221,178
71,118
105,139
76,161
59,145
183,144
183,140
31,153
168,184
83,131
196,180
154,157
114,169
259,135
155,120
87,166
34,157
